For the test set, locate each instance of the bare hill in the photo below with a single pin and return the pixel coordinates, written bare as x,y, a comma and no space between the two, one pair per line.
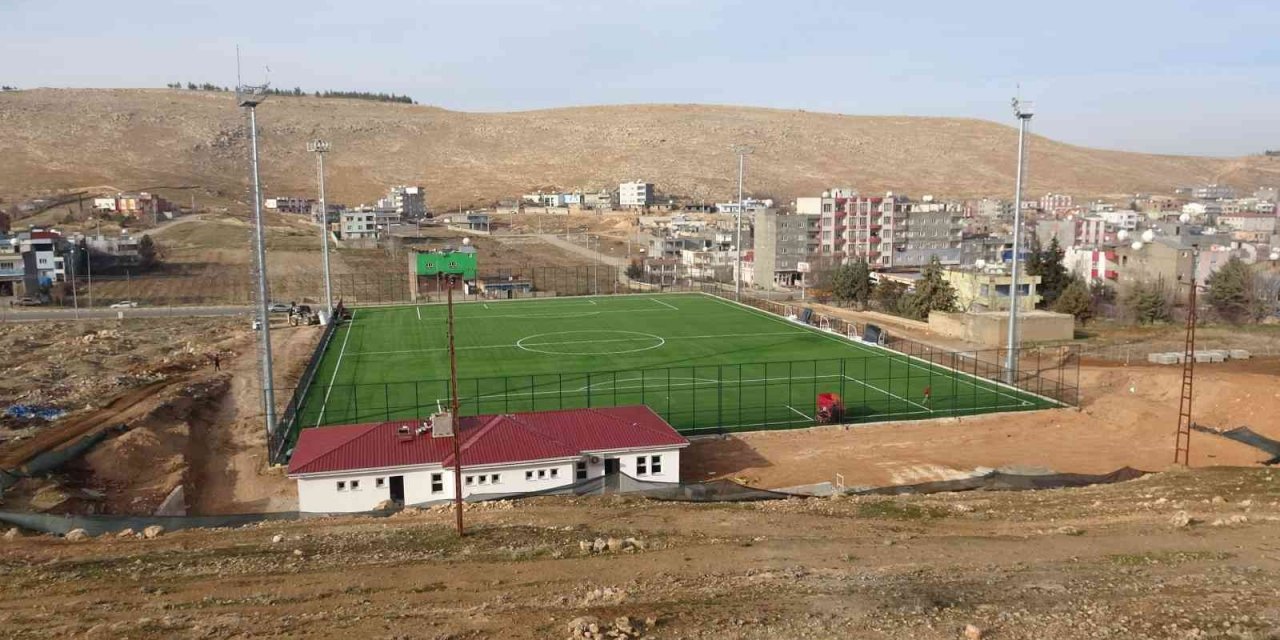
54,139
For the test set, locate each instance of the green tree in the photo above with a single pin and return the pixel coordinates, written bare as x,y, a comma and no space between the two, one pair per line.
888,295
635,271
1075,300
1046,262
852,283
1232,292
933,293
147,254
1148,302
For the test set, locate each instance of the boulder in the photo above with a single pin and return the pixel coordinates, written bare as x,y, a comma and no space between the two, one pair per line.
76,535
153,531
614,544
579,627
972,632
13,534
1181,519
127,533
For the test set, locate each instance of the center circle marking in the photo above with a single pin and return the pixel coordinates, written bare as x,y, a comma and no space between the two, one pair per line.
550,347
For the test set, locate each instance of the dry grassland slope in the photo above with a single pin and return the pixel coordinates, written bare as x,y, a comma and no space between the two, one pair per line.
135,138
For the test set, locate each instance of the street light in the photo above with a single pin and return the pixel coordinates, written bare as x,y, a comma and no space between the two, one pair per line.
1023,111
321,147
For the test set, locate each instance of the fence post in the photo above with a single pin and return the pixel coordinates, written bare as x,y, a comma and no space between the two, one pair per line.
720,397
588,389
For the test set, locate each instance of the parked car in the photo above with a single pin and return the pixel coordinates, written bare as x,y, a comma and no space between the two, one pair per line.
125,304
278,307
28,302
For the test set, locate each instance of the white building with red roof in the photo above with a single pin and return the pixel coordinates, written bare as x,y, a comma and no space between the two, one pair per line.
353,468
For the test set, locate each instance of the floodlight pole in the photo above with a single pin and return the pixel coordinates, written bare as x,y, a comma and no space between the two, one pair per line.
1023,111
742,152
457,422
321,147
249,98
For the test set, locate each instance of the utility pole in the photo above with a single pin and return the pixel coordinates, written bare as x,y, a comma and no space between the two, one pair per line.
321,147
248,98
457,421
1023,111
742,151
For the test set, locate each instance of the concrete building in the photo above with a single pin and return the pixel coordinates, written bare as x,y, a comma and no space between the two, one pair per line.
781,243
635,195
113,251
1121,218
1094,265
989,288
133,204
1055,202
889,231
289,204
408,202
1213,192
358,225
354,468
1249,227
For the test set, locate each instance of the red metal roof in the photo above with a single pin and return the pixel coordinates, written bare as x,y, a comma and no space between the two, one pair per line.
495,439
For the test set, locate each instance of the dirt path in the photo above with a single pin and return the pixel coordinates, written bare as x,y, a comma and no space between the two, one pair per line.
227,451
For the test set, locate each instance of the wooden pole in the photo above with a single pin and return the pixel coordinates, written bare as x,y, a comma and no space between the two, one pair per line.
457,422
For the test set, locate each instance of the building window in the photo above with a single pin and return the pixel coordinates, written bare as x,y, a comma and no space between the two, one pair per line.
494,478
342,485
580,470
469,480
437,483
555,473
379,483
355,485
655,464
542,473
641,467
483,479
528,475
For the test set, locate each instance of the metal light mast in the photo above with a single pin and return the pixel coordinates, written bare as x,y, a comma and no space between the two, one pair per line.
1023,111
321,147
249,97
742,151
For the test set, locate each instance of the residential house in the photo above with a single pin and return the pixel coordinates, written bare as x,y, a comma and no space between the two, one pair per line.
782,241
357,224
289,204
355,468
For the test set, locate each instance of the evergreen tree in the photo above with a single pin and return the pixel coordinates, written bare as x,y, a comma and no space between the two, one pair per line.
635,271
147,252
852,283
1149,303
1232,292
888,295
1054,277
1075,300
933,293
862,284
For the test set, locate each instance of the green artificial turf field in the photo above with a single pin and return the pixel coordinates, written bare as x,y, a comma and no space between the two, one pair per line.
703,363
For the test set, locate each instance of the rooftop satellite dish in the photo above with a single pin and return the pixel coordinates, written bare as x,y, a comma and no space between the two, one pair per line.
466,241
980,263
1137,244
1275,255
1184,218
1123,234
1148,235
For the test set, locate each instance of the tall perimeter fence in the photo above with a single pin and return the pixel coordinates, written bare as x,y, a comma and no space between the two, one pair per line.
900,379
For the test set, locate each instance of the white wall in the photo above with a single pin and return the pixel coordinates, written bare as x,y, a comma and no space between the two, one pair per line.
320,494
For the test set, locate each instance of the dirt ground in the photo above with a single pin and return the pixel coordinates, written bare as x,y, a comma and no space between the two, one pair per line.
1099,562
1128,418
188,425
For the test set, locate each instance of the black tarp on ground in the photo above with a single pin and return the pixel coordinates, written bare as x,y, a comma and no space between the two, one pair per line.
1001,481
1245,435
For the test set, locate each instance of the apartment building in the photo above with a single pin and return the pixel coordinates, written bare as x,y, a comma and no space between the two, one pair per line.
357,224
1213,192
635,195
1054,202
408,202
989,288
782,241
888,231
289,204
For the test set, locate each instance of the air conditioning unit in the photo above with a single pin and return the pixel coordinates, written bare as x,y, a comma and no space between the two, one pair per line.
594,459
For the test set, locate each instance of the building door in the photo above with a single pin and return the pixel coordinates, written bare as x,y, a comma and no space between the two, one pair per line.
397,489
610,466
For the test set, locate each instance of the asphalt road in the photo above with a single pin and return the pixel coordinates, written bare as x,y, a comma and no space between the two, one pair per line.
30,314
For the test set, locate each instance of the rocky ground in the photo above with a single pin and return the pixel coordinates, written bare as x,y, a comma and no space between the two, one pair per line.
1173,555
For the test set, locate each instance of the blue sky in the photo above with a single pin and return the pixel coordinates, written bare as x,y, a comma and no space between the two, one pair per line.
1166,77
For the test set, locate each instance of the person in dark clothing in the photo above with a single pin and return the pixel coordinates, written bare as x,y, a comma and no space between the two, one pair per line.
217,362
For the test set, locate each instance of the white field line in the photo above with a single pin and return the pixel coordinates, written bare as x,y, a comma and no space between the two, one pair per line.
591,302
556,315
799,412
350,327
958,375
887,393
669,306
544,344
485,304
419,310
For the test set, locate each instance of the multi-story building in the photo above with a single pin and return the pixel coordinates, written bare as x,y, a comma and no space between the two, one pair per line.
1121,218
635,195
1217,208
133,204
1213,192
888,231
289,204
112,251
408,202
1249,227
751,205
359,224
1054,202
1093,231
781,243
